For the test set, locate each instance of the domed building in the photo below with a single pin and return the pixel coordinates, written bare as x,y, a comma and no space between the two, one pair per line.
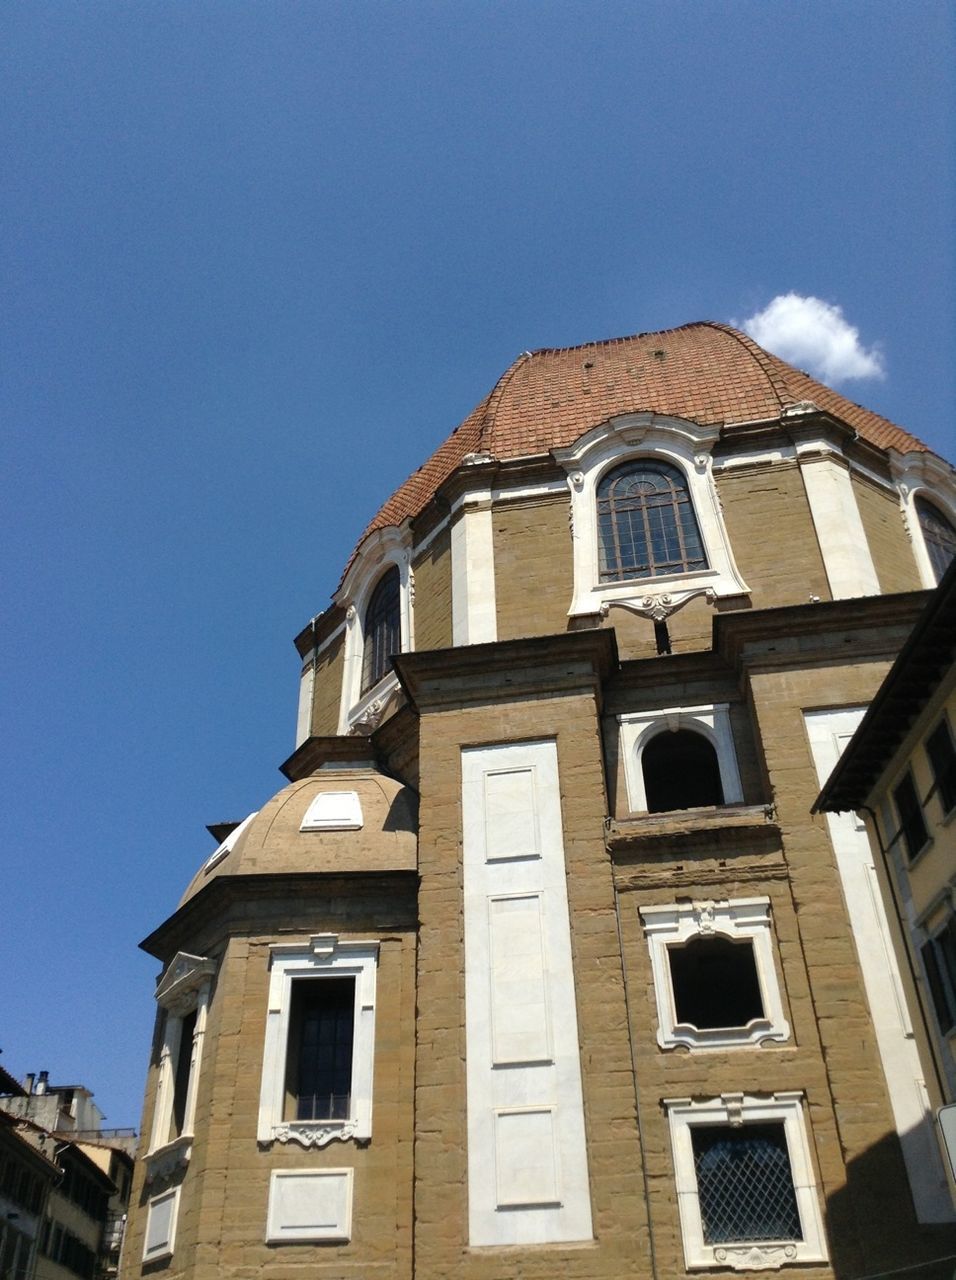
539,965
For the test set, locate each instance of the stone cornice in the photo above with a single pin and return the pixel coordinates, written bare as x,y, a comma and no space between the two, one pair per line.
335,750
474,675
232,905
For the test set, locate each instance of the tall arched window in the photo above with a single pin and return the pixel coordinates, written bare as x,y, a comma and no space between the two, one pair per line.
382,632
646,522
939,536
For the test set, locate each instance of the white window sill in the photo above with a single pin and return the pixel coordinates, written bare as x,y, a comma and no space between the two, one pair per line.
170,1156
318,1133
367,712
755,1032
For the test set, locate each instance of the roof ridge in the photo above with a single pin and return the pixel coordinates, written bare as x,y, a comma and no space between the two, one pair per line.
494,397
758,354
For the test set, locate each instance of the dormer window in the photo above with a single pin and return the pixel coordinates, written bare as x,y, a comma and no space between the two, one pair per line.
646,522
939,537
382,631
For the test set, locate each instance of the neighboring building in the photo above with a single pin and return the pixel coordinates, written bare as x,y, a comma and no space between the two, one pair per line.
539,964
80,1229
26,1177
899,773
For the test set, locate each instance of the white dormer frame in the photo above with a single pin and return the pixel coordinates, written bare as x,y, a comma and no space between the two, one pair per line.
712,722
360,711
626,438
921,474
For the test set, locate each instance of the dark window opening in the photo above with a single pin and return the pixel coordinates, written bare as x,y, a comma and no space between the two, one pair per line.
680,772
382,632
646,523
662,637
912,827
319,1061
744,1184
942,759
715,983
939,537
939,961
184,1060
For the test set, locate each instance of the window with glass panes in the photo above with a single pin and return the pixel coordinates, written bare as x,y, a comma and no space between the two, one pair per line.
646,523
382,631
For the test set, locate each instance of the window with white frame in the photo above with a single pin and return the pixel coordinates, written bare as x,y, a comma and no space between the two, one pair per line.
745,1185
939,536
647,529
715,981
376,594
320,1042
183,994
928,503
679,758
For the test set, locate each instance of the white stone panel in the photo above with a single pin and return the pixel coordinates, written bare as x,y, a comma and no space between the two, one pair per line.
161,1217
311,1204
519,996
839,528
511,815
523,1060
526,1158
334,811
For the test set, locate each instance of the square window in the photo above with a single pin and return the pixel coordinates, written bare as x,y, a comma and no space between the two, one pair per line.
745,1185
715,982
319,1044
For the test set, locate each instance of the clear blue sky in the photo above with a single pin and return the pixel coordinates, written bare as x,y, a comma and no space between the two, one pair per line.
258,259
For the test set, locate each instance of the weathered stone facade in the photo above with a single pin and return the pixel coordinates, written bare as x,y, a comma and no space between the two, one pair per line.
363,869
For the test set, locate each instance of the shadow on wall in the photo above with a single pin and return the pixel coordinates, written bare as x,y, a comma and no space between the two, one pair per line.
872,1228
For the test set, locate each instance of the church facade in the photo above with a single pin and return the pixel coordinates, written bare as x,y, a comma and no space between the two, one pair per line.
539,964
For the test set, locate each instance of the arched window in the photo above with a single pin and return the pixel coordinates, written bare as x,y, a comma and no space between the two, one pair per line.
646,522
939,536
382,632
681,771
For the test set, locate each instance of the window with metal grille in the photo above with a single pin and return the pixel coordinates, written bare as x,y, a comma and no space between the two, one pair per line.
939,961
942,759
646,523
681,771
912,826
939,536
744,1184
382,632
319,1059
714,982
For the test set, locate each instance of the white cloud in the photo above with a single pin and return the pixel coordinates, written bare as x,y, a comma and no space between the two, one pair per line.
814,335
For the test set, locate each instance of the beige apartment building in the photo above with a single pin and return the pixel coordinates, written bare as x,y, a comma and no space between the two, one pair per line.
540,965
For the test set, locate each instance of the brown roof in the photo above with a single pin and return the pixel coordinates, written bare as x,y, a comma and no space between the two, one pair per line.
707,373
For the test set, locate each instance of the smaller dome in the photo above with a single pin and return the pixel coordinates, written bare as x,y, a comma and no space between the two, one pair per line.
337,820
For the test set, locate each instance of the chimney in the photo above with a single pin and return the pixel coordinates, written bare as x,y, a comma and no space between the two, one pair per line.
28,1080
42,1083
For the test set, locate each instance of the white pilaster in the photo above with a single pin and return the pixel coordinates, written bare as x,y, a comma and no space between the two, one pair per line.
473,609
839,528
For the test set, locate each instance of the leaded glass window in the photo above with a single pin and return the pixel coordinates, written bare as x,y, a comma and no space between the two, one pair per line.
646,523
382,631
938,535
744,1184
321,1035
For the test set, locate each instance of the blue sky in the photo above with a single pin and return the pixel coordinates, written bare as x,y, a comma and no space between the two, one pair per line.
258,259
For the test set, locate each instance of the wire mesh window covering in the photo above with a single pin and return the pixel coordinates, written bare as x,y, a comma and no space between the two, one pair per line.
942,759
646,523
321,1036
938,535
744,1184
382,632
912,824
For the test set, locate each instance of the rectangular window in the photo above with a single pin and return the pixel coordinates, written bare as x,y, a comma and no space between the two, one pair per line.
939,961
319,1058
745,1184
912,827
184,1059
319,1044
942,759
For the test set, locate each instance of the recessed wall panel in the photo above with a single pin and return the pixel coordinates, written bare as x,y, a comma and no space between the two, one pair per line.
519,993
